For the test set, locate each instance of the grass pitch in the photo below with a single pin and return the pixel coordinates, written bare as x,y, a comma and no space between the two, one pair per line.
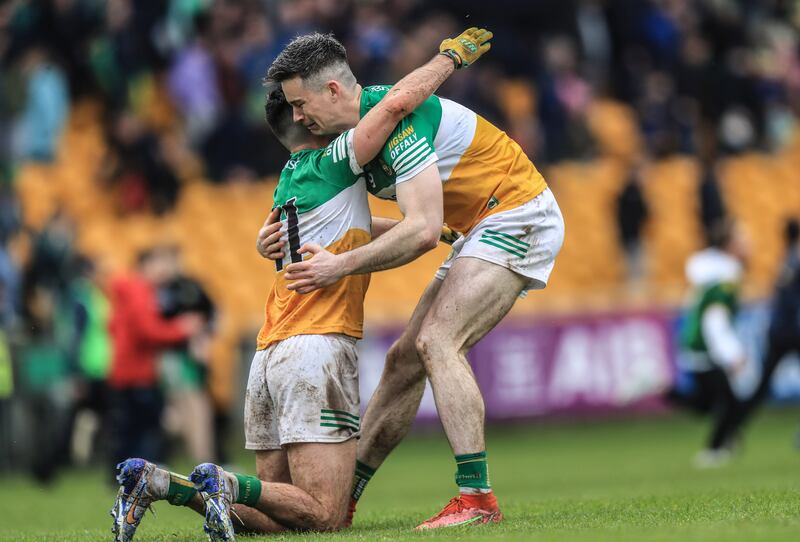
618,480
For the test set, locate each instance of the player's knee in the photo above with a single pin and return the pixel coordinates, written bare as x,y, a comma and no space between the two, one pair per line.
430,349
329,520
403,363
263,472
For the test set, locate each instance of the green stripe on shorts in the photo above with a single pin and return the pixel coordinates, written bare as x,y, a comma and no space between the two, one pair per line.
334,412
338,420
502,246
510,238
340,426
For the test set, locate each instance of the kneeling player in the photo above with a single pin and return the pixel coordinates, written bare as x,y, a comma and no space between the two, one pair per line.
302,404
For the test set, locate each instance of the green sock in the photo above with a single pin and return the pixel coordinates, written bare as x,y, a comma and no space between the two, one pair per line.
473,473
249,490
181,490
362,476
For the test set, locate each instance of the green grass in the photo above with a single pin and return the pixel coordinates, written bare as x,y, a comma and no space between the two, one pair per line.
619,480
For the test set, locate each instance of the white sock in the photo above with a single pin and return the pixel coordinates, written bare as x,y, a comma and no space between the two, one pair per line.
233,485
474,491
158,485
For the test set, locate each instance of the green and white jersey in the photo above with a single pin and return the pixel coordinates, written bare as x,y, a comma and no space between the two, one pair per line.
483,170
323,200
725,294
410,148
715,277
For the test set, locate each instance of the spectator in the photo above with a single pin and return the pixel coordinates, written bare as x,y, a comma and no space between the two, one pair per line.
44,364
784,329
8,289
53,253
45,111
92,359
631,219
193,85
713,352
6,394
712,206
186,366
139,334
565,98
137,166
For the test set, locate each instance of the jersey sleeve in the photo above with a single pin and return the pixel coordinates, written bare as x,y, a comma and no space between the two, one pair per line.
338,162
410,148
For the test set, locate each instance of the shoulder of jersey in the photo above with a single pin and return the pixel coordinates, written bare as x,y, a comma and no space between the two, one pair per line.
292,163
337,148
377,88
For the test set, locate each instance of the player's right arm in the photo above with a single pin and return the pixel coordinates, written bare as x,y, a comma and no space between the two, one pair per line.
411,91
420,201
381,225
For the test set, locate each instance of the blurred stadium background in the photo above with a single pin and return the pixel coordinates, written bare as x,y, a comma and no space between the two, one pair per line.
127,125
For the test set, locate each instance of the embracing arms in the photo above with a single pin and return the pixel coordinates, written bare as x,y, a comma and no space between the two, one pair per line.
374,129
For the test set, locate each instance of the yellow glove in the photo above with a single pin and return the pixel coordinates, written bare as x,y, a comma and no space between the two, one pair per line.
468,47
449,235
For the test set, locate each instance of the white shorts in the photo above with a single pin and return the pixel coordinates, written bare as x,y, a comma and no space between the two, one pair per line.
525,240
302,389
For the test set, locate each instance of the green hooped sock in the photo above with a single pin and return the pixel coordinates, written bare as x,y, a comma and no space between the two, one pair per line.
249,490
362,476
473,471
181,490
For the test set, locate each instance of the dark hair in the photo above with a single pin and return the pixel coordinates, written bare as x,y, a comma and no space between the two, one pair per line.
720,233
307,56
280,120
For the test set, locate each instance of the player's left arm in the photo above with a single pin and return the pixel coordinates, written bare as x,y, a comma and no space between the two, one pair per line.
411,91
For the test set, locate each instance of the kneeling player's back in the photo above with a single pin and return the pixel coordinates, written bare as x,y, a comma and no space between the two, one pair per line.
323,200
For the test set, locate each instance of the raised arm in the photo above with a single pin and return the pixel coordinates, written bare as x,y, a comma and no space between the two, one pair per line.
374,129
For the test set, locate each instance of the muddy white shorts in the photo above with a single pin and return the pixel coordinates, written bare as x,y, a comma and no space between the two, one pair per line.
525,240
302,389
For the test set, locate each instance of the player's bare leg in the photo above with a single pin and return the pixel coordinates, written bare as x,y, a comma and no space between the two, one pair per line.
393,406
322,475
272,466
474,296
316,499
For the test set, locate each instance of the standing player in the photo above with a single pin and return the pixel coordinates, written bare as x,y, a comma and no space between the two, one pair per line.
714,352
302,405
513,231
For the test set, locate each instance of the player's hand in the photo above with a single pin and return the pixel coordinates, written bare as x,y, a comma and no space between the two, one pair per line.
321,270
449,235
468,47
269,243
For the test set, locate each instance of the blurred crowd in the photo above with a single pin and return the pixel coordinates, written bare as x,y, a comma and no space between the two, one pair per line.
179,87
694,71
106,367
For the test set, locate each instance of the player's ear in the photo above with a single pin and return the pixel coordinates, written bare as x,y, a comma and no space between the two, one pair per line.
334,89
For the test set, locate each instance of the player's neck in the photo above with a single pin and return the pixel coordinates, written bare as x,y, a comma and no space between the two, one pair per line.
314,142
353,109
